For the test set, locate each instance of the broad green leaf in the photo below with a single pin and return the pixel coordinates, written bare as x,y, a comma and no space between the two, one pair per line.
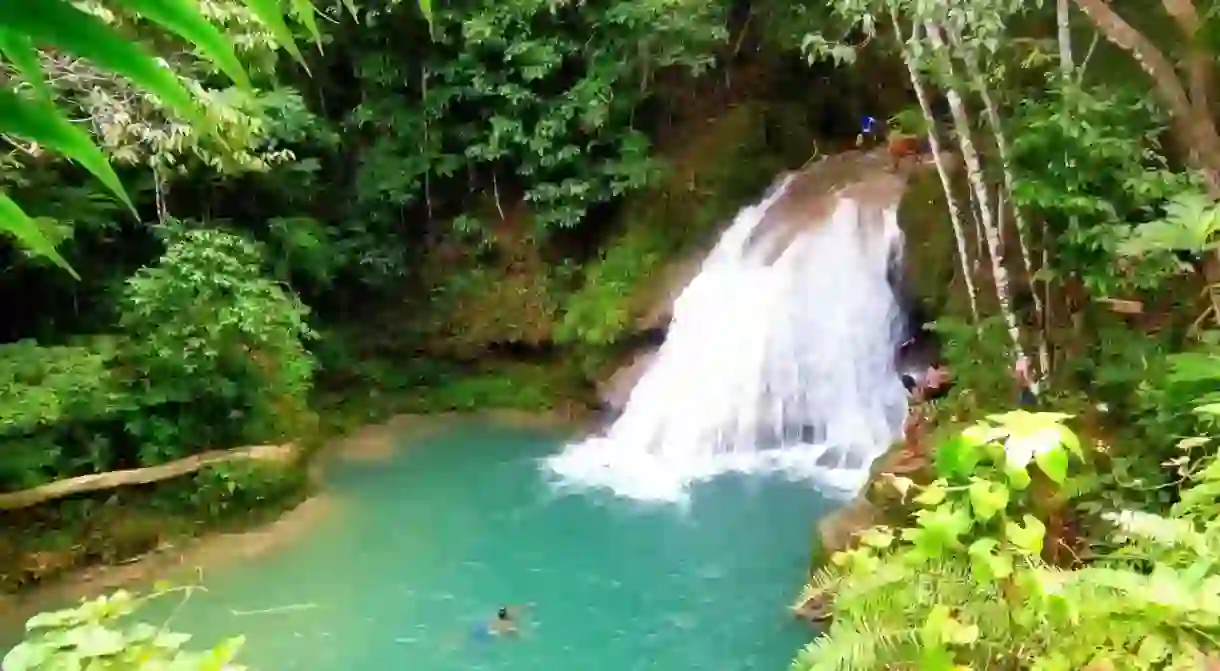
957,456
933,494
877,537
27,656
985,563
1018,478
57,23
987,498
183,18
980,434
1054,463
38,121
1028,537
94,640
271,14
13,220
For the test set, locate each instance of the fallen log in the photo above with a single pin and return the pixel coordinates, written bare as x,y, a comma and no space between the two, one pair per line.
143,476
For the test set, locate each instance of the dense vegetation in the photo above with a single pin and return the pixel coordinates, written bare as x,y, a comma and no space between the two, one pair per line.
1085,238
467,205
230,224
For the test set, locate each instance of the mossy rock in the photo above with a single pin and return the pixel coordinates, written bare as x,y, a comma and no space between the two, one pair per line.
726,164
931,271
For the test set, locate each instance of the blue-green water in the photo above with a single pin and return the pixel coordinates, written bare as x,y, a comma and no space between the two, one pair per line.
422,547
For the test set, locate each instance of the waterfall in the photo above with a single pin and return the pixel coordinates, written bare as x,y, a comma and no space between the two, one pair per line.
776,360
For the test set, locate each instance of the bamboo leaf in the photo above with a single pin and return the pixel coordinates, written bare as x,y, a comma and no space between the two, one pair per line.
304,11
268,11
59,24
39,121
184,18
18,49
351,8
14,221
425,7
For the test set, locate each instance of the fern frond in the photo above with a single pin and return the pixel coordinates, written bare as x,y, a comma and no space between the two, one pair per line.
847,647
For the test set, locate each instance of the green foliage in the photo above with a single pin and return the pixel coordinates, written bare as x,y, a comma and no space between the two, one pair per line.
979,356
528,97
72,32
965,587
206,323
1089,163
100,634
726,167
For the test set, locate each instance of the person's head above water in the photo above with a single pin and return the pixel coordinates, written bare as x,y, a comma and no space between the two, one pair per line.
502,613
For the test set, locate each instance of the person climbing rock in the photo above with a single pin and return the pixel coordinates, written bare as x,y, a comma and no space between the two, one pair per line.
1027,389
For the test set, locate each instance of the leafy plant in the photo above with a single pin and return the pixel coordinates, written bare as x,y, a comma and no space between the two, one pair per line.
206,323
77,32
966,587
99,634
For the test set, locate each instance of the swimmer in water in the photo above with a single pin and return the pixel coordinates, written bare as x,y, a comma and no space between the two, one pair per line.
504,622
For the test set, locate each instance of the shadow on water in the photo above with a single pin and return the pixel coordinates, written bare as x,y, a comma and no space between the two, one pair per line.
431,541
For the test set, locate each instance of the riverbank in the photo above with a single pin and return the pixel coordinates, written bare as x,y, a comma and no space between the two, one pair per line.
177,550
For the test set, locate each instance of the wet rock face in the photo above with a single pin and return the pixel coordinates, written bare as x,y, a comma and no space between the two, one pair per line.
614,391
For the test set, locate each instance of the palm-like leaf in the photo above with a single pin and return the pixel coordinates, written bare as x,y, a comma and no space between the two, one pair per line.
37,120
56,24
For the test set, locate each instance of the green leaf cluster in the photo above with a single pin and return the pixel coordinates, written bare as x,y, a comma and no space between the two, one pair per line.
100,634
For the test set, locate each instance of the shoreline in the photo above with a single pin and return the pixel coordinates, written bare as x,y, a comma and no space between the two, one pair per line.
212,549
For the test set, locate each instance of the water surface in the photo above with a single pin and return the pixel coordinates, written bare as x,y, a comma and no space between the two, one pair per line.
422,547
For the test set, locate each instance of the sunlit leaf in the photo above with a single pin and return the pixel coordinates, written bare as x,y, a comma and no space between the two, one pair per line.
1027,537
1054,463
932,494
987,498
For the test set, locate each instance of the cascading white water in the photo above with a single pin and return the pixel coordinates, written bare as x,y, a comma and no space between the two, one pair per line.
770,364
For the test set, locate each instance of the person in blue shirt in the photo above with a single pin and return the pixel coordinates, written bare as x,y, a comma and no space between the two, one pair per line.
868,128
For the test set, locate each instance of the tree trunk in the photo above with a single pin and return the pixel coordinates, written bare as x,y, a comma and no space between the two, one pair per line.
143,476
1064,17
1194,132
974,170
974,71
955,215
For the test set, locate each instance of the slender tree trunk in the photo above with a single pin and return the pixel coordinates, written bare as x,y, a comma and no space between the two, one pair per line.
1064,16
955,215
974,71
974,171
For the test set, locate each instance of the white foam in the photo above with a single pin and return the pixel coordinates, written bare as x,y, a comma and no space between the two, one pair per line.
784,367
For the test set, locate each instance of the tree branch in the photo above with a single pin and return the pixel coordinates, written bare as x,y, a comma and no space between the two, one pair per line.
1197,135
1199,65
